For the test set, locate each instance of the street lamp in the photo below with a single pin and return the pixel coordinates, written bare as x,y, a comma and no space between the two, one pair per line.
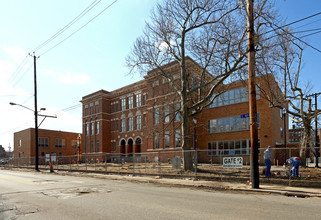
36,128
284,132
79,141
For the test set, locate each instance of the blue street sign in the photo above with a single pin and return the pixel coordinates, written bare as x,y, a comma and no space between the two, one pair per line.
245,115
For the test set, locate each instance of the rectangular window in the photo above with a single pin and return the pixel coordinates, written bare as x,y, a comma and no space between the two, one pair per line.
130,102
92,128
123,104
130,124
87,129
177,112
166,114
74,144
60,143
156,141
178,138
144,120
20,142
211,149
44,142
92,147
234,123
244,148
237,147
97,146
166,139
138,100
123,125
138,122
281,113
156,116
113,146
112,125
97,127
145,99
233,96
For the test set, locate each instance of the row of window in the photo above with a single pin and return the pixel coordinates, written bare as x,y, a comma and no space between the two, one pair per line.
92,146
234,123
166,118
296,133
232,147
295,140
128,124
166,139
59,143
129,103
233,96
92,128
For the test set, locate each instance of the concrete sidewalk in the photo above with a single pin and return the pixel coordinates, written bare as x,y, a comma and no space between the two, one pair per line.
302,192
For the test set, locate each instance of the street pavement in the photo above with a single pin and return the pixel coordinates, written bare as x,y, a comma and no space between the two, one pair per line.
26,194
266,188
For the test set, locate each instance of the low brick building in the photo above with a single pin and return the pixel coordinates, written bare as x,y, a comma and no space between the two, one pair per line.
59,143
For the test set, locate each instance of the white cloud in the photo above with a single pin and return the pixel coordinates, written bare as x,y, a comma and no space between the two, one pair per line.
17,53
68,78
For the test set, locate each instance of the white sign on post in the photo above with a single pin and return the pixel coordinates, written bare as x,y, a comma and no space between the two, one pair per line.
232,162
47,157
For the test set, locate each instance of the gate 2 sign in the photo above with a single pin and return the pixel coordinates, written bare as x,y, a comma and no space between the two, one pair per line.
232,162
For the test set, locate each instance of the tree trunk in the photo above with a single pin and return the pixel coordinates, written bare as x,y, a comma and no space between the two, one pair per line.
304,145
186,146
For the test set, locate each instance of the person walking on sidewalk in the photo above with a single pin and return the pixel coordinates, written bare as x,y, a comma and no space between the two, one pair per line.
295,161
268,161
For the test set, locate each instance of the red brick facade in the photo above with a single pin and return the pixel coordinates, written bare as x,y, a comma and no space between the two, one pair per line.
133,119
50,142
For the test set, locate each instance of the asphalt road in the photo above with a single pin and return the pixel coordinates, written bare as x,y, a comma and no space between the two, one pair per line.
31,195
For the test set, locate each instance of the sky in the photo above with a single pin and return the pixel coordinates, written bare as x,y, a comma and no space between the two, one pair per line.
92,58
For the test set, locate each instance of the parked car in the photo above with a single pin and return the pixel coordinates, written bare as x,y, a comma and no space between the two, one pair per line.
4,161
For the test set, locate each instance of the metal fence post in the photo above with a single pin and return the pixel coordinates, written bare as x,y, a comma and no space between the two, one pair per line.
159,163
195,156
221,168
134,164
86,161
106,163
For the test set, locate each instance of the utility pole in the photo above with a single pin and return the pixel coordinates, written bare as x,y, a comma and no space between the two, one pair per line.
36,112
316,131
252,97
284,109
317,151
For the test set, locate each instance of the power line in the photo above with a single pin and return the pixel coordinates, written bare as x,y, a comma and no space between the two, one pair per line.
80,28
16,72
84,12
302,19
23,75
297,38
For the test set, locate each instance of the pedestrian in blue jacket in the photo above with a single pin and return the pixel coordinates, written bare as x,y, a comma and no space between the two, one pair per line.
295,161
268,161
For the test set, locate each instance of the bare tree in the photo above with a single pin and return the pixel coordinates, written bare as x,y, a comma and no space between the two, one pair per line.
285,65
212,33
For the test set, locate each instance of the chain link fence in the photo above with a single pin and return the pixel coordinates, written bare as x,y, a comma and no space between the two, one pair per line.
225,165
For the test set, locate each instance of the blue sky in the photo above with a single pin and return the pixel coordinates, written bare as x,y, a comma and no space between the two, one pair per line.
91,59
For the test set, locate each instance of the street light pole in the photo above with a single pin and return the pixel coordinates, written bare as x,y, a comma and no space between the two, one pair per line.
79,140
284,133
